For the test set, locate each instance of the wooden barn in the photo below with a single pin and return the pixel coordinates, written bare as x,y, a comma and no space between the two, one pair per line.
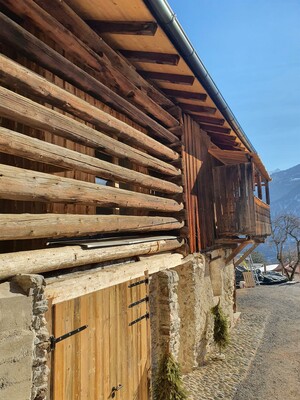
127,191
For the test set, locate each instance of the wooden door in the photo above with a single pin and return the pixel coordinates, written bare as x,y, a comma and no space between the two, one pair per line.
110,352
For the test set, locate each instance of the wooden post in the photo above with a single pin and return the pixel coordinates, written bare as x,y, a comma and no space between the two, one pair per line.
267,191
259,189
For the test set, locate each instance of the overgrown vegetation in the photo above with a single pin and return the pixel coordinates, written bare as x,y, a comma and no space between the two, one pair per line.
168,382
221,329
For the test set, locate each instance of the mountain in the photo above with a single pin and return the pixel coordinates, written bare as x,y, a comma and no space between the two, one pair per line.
285,191
285,198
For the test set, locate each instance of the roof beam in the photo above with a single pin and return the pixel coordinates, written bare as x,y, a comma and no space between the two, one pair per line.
237,250
209,120
151,57
185,94
172,78
217,129
222,136
197,108
145,28
246,254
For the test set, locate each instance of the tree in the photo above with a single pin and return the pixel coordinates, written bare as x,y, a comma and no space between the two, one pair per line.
286,238
258,257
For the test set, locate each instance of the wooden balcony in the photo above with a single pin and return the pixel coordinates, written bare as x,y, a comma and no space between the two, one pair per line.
237,210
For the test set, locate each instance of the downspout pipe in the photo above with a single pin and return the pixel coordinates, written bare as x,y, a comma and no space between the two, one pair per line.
166,18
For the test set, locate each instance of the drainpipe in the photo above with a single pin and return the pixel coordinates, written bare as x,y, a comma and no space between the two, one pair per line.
166,18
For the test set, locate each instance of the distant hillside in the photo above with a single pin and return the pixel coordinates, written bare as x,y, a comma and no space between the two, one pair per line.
285,197
285,191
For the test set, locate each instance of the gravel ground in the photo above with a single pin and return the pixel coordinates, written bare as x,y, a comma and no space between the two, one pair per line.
263,359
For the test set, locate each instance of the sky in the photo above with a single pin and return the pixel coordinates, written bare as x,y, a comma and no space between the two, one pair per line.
251,49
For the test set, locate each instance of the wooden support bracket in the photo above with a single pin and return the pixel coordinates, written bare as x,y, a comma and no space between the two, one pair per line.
246,254
237,250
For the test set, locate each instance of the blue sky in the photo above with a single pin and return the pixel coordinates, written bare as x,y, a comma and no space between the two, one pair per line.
251,49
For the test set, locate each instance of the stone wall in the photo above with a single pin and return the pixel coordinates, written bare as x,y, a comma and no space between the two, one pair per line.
181,302
24,339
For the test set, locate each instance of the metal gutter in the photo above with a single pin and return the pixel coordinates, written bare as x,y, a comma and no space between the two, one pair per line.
166,18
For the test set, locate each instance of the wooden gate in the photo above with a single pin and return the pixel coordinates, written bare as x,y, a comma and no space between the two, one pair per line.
109,353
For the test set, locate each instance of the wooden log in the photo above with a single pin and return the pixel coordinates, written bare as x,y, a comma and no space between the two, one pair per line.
150,57
52,259
145,28
26,111
24,42
237,250
85,56
67,17
23,79
64,288
24,185
167,77
246,254
20,145
35,226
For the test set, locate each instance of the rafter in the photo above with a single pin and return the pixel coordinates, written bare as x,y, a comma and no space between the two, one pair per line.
172,78
209,120
145,28
151,57
217,129
185,94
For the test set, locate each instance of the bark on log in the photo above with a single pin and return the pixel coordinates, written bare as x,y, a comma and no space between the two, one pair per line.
24,42
67,17
25,80
35,226
52,259
78,284
24,185
26,111
85,56
20,145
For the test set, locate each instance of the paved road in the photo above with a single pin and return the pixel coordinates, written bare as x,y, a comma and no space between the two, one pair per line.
275,371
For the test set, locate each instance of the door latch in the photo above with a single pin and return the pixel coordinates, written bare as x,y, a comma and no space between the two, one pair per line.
54,340
115,389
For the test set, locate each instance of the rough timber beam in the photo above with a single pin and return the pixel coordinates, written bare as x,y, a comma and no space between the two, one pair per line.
26,43
26,111
217,129
237,250
208,120
26,81
246,254
182,94
67,256
166,77
36,226
150,57
72,21
20,145
197,108
144,28
25,185
79,284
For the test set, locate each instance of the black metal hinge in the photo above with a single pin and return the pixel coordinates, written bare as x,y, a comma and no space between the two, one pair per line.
54,340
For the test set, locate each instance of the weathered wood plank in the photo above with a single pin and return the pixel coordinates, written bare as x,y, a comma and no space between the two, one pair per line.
21,184
79,284
20,145
26,81
24,42
209,120
26,111
182,94
52,259
197,108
